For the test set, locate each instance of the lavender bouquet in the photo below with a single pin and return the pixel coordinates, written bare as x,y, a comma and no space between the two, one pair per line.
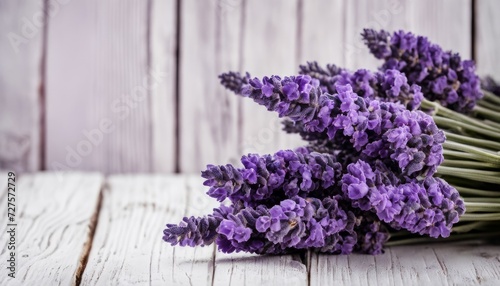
392,157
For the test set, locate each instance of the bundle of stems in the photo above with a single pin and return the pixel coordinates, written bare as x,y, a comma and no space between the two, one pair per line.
472,165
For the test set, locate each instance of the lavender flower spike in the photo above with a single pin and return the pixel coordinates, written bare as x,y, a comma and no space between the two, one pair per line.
234,81
389,85
268,179
377,130
443,76
298,223
430,207
326,225
192,231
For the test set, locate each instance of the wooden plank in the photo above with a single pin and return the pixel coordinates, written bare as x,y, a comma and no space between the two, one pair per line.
55,217
378,14
452,264
194,266
270,36
406,15
322,31
163,66
488,33
21,27
210,119
248,269
99,87
447,23
128,246
471,265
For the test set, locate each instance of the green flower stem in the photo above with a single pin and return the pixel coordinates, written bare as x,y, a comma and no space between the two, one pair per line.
481,207
480,217
471,174
468,164
458,154
490,106
483,143
453,115
475,192
489,96
481,199
454,124
453,237
481,154
492,115
471,188
494,124
471,226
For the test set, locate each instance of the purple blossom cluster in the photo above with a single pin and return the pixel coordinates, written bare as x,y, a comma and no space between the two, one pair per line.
408,140
443,76
388,85
324,225
368,167
271,178
429,207
193,231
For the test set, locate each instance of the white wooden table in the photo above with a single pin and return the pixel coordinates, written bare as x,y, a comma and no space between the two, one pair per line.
83,228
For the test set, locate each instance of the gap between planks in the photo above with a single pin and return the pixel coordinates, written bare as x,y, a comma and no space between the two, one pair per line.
53,216
84,256
127,246
144,204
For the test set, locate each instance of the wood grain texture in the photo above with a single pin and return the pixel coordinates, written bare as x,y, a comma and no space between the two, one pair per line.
162,41
488,33
322,30
54,214
99,87
248,269
447,23
21,30
210,120
438,264
128,248
270,47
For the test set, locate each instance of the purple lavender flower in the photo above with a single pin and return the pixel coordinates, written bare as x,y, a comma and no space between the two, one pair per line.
273,178
489,84
327,77
426,207
377,42
234,80
298,223
347,119
326,225
371,235
443,76
192,231
393,86
389,85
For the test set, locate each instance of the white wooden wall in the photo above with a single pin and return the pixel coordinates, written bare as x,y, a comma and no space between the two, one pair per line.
131,86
